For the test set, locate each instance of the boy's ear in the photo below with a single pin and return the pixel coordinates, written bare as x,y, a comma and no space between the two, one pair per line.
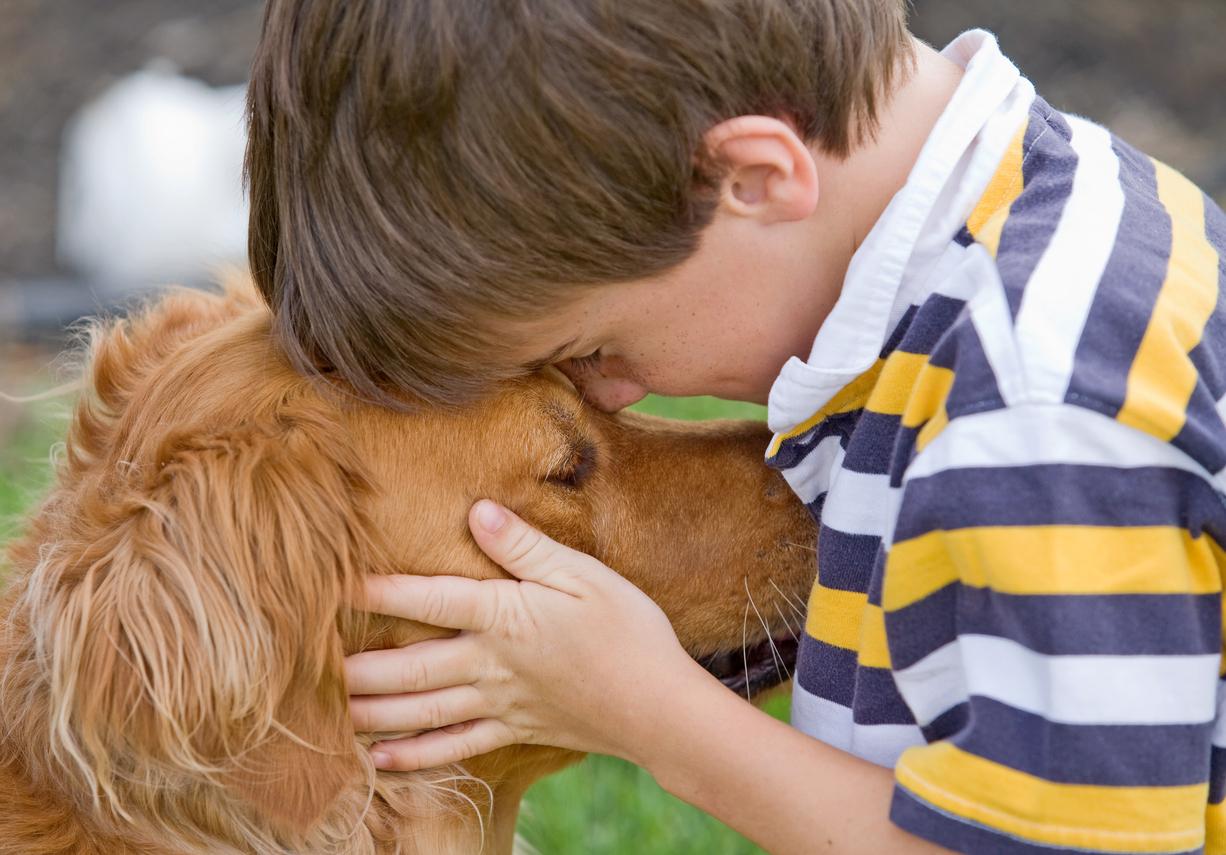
766,170
198,637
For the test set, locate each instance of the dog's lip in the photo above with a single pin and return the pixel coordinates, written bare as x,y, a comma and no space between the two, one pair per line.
756,667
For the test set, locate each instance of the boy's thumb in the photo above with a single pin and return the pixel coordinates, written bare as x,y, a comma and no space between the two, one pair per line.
522,551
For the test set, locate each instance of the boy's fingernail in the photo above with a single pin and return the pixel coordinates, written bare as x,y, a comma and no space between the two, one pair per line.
381,759
490,516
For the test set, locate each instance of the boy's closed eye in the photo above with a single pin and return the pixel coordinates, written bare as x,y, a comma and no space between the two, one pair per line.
586,362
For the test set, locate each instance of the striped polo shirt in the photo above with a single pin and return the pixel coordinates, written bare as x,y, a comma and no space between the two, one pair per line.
1010,430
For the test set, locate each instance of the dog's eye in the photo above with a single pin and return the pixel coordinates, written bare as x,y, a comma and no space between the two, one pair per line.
577,468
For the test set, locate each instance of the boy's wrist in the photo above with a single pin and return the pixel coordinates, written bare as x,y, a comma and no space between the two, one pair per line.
691,708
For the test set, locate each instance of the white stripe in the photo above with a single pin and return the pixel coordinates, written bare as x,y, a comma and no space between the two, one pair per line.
1066,689
936,274
1058,296
934,684
1032,434
859,503
989,311
811,477
832,723
1219,726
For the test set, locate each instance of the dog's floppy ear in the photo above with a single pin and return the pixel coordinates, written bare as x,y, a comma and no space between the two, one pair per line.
198,636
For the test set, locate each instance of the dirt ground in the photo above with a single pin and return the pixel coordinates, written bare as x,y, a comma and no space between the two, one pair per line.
1155,70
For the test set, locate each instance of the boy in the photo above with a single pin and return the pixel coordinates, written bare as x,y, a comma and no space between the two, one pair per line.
990,340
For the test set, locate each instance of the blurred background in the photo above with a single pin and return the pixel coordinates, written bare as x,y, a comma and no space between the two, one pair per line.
120,148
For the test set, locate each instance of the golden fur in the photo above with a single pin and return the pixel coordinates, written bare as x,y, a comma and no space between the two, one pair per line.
175,620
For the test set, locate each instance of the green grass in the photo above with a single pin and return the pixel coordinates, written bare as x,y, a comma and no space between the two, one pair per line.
700,408
25,460
602,806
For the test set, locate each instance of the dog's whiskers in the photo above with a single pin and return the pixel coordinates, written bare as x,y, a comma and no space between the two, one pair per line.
784,617
745,651
780,668
799,612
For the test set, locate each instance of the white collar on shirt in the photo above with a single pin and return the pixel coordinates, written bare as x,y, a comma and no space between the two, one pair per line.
954,167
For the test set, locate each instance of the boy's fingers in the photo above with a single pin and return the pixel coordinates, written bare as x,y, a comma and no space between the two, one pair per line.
418,711
433,664
523,551
440,747
448,601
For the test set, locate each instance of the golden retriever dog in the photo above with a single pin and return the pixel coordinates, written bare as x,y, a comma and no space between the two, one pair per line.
176,611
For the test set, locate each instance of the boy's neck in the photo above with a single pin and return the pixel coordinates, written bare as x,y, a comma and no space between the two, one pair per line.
855,191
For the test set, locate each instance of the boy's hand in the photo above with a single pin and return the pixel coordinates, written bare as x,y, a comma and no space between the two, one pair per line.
571,655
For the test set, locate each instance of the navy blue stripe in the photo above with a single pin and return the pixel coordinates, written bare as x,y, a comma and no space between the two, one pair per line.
900,330
872,445
934,318
1055,119
1209,365
845,561
1203,436
920,628
878,578
974,389
832,673
795,449
1127,291
1109,755
1217,775
876,699
931,823
964,237
1209,355
815,508
947,723
1056,494
1096,624
826,671
1048,166
1058,624
903,453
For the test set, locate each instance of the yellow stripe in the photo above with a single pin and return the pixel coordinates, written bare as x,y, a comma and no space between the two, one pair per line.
1119,819
931,428
931,389
851,397
1054,560
987,221
1215,829
897,382
1162,376
845,619
834,616
1222,667
874,650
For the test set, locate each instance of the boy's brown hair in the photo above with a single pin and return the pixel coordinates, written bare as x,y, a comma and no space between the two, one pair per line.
423,174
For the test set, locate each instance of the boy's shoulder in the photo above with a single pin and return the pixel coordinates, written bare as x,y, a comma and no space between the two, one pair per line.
1100,276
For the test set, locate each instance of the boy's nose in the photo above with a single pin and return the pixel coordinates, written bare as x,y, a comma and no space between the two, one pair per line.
605,392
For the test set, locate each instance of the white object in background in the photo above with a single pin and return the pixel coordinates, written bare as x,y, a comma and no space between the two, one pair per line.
151,182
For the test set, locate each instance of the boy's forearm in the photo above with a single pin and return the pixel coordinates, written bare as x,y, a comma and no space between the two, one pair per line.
788,792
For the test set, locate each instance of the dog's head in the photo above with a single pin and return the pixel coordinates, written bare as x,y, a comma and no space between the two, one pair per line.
185,576
178,617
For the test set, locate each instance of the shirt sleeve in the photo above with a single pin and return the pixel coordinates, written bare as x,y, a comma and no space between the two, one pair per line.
1052,599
